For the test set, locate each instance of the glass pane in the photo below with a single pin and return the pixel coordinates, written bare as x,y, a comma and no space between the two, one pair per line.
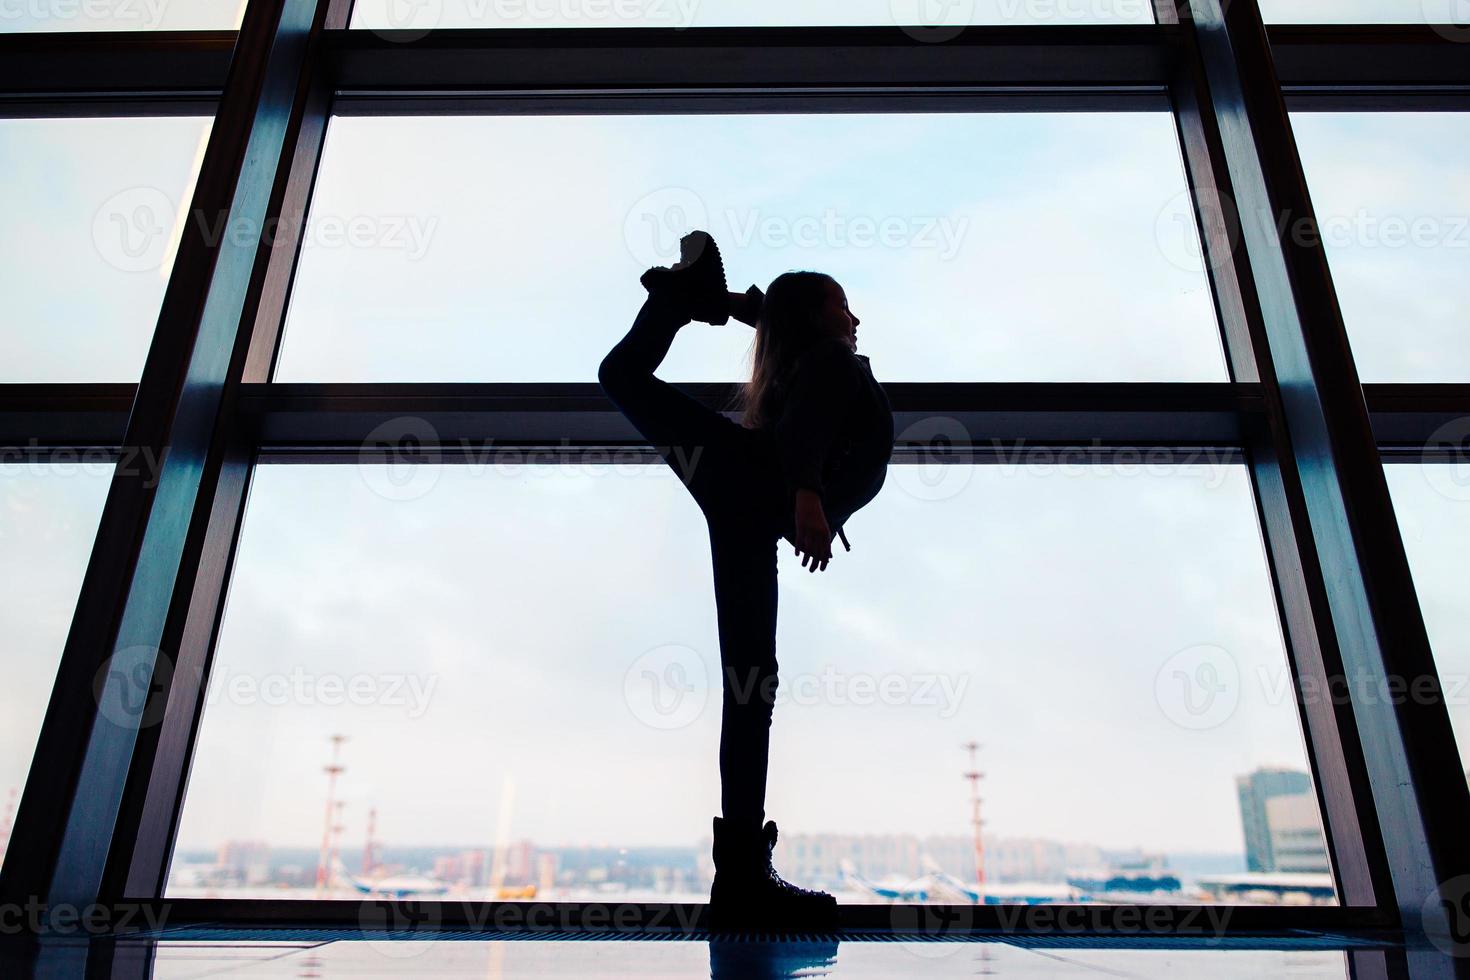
975,247
1392,197
679,14
1432,504
93,218
28,16
1364,12
521,660
48,520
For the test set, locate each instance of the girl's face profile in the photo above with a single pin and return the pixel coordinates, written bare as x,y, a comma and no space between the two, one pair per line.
836,318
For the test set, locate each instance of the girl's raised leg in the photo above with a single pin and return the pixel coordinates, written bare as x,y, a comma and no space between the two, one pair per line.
699,444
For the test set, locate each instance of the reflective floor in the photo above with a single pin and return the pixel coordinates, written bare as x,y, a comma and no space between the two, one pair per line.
725,960
282,954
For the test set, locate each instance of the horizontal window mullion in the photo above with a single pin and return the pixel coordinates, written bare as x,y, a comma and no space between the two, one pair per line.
37,418
148,73
114,72
1400,67
622,59
327,417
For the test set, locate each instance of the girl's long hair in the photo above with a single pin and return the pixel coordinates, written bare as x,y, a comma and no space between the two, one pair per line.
787,328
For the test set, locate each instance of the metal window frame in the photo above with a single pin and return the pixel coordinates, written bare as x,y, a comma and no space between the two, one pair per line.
102,801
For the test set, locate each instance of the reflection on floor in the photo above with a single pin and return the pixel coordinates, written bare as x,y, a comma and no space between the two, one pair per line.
199,952
723,961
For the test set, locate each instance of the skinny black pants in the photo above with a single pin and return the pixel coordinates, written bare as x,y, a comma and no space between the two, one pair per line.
733,475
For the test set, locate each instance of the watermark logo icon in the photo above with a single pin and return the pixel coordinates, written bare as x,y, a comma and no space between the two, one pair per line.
1450,478
1446,917
667,687
131,229
407,922
656,222
932,21
1449,18
1198,687
938,474
131,687
408,20
938,922
399,460
1188,218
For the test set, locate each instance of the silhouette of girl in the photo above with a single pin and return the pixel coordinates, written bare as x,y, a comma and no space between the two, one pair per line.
812,448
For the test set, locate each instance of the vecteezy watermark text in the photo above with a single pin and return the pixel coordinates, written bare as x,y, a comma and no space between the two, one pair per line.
842,688
137,14
35,916
133,228
63,462
832,229
656,222
669,687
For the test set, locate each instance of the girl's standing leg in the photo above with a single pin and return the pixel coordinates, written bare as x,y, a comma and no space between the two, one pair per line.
745,602
729,472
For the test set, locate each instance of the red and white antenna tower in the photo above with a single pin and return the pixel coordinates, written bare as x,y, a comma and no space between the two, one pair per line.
974,775
333,770
337,828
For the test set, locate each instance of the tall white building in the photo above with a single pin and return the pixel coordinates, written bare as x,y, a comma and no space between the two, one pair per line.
1280,821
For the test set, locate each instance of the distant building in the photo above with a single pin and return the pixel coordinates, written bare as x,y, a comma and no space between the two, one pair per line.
246,861
1296,833
520,863
1032,859
819,857
545,873
448,867
472,868
1278,814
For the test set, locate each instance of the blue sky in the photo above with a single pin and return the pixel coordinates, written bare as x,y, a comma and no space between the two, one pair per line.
530,257
1392,194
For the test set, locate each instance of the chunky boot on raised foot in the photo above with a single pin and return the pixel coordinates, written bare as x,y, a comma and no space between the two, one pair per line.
748,894
696,281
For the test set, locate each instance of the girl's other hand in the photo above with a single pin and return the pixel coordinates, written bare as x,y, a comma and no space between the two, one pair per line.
813,536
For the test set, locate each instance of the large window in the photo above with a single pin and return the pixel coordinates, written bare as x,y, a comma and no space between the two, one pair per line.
976,247
94,209
48,518
475,675
422,614
1391,193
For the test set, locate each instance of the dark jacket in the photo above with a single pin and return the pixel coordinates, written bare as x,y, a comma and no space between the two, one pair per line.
834,430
